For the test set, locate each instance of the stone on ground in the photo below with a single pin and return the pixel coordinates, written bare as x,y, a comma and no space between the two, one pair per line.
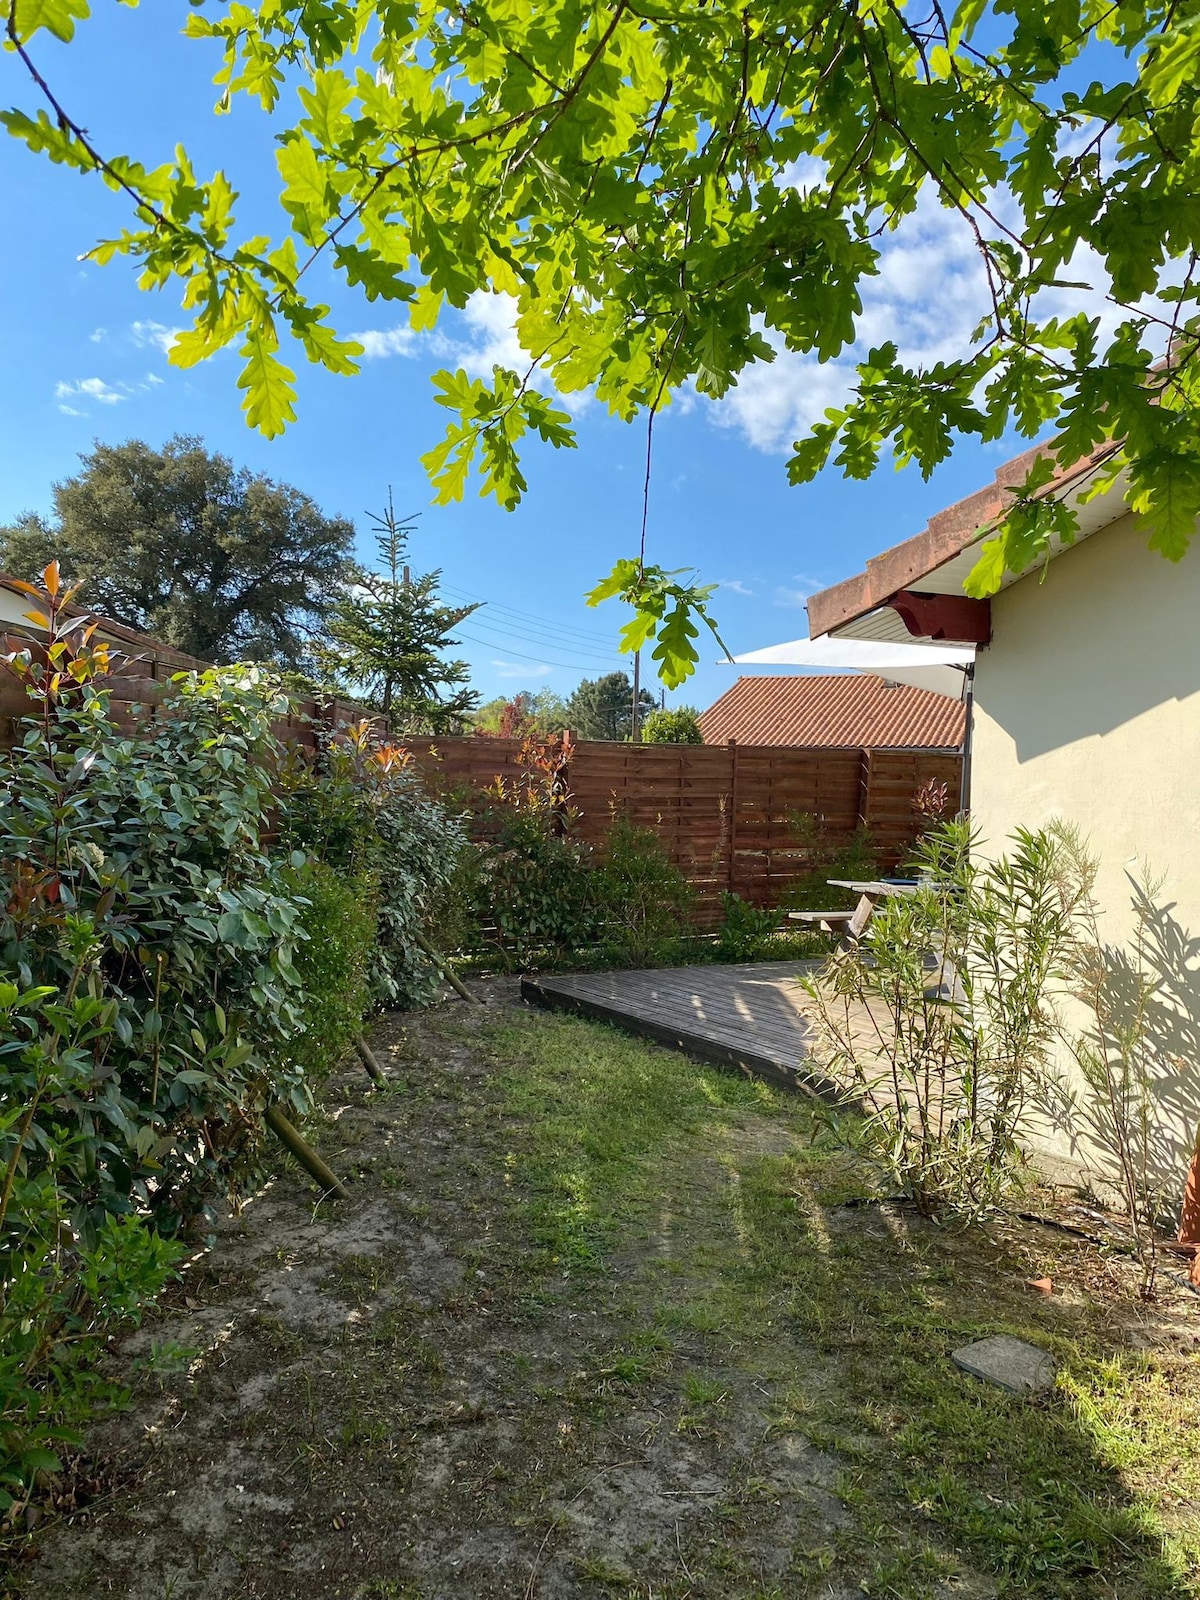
1016,1366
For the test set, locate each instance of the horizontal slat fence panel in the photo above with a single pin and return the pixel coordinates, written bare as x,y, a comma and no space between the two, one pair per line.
729,816
894,779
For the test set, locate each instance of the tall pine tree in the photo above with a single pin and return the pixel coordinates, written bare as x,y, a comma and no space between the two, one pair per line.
602,708
389,634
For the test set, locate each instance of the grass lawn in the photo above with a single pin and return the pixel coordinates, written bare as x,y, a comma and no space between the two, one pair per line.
598,1321
849,1314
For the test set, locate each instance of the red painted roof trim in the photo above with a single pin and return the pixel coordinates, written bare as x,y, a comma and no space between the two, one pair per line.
952,618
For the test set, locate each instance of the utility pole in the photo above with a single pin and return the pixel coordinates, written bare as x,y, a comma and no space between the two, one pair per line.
636,724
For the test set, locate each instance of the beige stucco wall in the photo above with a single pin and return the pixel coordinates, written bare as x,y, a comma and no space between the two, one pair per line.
1088,708
13,607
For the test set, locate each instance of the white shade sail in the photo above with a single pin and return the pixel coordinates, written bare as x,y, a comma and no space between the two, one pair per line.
942,667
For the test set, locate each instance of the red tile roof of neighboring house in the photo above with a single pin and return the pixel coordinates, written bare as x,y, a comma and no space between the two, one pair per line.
840,709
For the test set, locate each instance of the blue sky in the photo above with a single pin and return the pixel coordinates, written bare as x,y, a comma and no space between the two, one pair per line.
84,358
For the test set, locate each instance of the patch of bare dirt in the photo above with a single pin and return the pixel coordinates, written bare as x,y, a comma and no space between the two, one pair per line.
379,1398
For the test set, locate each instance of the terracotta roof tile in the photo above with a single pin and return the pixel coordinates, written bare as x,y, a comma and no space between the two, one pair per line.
839,709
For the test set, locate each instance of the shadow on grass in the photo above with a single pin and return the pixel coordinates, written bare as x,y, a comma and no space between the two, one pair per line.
849,1314
1054,1497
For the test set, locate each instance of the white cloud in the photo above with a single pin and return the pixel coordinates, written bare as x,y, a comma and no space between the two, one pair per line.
89,389
929,295
379,343
490,338
492,342
513,669
734,586
492,335
155,334
98,336
799,591
485,337
776,402
98,392
804,174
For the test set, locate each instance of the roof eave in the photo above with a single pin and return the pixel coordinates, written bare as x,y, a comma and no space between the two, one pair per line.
948,535
115,632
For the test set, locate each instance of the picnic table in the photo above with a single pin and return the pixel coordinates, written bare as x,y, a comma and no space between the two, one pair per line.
852,924
946,984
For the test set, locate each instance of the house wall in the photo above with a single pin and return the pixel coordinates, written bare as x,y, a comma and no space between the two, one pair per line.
13,607
1088,709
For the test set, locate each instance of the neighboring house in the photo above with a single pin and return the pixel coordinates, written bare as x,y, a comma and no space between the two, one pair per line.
834,711
15,622
1086,708
141,667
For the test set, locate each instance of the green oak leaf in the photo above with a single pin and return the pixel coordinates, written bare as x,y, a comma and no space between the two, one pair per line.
56,16
270,392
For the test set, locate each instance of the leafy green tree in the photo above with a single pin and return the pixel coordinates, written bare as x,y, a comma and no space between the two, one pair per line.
679,725
671,193
487,717
223,564
388,636
526,715
602,708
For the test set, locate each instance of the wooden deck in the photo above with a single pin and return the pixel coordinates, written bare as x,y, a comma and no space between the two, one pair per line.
745,1016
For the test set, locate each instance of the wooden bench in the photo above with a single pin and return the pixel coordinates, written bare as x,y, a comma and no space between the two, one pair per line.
823,919
850,924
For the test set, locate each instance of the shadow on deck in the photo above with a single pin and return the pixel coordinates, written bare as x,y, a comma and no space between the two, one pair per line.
746,1016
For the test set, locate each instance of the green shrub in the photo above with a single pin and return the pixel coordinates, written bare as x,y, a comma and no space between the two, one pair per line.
59,1296
136,874
532,889
454,926
538,893
418,846
333,964
940,1021
524,894
825,858
366,813
680,725
164,973
645,902
746,931
60,1285
146,999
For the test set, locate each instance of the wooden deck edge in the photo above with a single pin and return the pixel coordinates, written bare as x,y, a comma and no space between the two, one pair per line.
749,1062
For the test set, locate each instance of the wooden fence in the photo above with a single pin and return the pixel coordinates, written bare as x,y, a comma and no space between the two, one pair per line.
727,814
140,680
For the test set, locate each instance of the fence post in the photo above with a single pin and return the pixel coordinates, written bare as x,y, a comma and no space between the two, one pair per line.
733,810
864,789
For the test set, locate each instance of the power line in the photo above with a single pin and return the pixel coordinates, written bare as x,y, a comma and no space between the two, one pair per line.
571,666
522,635
573,634
555,639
